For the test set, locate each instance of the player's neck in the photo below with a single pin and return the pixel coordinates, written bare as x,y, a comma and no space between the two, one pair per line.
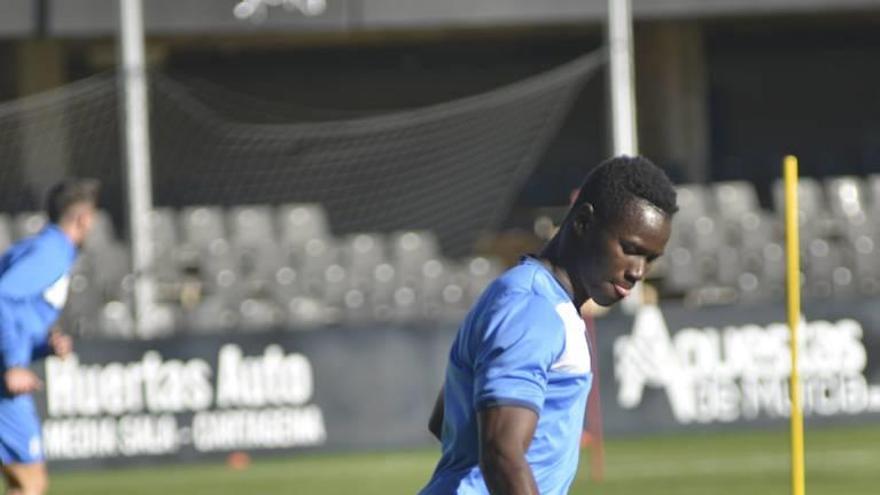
552,259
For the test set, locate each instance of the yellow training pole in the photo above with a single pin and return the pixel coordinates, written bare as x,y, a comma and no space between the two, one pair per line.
792,255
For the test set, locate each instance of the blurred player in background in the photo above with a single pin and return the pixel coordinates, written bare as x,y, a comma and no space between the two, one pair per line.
34,278
512,407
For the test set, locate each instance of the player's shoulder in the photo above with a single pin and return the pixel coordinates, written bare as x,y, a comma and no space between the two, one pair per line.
45,247
528,288
531,278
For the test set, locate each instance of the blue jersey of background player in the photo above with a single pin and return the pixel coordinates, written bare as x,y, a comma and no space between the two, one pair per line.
512,407
34,275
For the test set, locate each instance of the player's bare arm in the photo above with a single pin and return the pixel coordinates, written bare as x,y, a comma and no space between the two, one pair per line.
21,381
505,435
435,423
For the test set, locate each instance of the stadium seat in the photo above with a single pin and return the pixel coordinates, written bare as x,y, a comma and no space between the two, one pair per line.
167,256
103,232
846,199
480,272
384,281
707,235
730,266
873,192
286,284
116,320
682,275
6,236
435,275
111,263
257,265
335,285
200,225
312,261
298,223
821,258
356,306
753,230
28,224
405,303
84,302
259,315
361,254
163,224
813,216
410,250
305,313
212,315
734,199
218,269
251,224
693,201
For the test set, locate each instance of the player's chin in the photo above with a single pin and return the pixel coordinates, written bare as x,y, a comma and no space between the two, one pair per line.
605,297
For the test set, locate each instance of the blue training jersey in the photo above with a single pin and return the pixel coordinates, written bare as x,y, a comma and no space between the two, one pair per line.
523,344
34,278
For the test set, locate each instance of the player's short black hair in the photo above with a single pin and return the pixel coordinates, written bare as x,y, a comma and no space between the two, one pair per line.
616,181
69,192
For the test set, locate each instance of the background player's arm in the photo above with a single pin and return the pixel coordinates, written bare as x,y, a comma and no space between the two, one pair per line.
32,273
28,276
505,435
435,423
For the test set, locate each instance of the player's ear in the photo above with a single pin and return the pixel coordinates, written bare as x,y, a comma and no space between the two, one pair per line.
584,217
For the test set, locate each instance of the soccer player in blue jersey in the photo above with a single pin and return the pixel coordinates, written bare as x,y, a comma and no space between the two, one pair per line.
34,276
511,410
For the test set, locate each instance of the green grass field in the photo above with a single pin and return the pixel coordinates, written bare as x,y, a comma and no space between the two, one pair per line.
840,461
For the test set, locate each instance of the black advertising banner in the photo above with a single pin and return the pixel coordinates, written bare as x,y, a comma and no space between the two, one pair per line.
664,369
189,398
674,368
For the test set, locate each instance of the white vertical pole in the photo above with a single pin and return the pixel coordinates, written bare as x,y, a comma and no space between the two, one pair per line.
137,154
621,86
621,78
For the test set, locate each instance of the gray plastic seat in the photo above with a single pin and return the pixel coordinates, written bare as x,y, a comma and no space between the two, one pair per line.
682,275
167,254
300,222
257,315
316,255
361,254
286,284
28,224
410,250
335,285
103,233
6,236
866,264
481,271
813,218
735,198
753,230
200,225
116,320
252,224
213,315
257,265
821,258
164,231
846,199
693,203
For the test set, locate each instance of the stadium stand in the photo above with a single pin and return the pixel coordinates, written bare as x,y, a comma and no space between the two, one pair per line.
256,267
726,248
